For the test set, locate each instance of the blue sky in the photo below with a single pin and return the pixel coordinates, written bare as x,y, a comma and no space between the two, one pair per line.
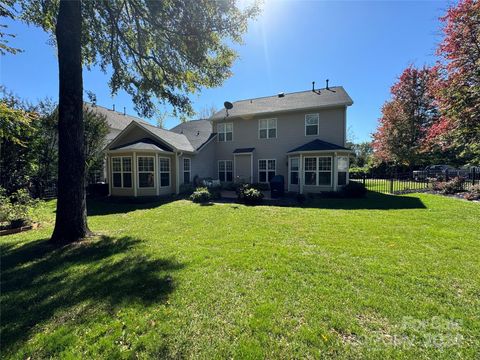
360,45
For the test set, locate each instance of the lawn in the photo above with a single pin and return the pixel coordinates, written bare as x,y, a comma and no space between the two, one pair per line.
382,277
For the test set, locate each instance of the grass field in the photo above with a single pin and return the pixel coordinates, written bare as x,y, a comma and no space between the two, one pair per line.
381,277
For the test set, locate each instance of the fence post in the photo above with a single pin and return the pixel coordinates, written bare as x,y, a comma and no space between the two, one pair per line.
473,176
446,175
391,185
363,179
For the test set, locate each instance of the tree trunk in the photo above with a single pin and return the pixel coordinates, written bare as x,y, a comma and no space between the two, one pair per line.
71,217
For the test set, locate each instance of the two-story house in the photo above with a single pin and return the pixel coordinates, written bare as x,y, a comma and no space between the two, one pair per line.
298,135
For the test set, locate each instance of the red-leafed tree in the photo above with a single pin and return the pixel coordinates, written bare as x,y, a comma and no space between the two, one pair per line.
406,119
457,86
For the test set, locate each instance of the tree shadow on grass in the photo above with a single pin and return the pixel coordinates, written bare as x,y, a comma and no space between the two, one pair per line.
40,281
373,201
112,205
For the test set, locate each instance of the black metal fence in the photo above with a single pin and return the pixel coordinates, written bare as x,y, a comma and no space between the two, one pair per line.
397,183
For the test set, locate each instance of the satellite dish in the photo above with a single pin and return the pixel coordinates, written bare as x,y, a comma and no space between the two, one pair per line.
228,105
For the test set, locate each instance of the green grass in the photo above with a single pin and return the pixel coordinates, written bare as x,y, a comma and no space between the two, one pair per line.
382,277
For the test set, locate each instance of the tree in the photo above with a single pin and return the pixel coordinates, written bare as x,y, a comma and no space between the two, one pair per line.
16,131
457,86
155,49
6,11
363,153
206,112
405,119
96,131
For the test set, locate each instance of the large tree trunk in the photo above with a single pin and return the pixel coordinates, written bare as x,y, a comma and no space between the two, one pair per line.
71,218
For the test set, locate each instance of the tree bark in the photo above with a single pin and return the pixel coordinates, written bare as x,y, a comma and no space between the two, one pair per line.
71,217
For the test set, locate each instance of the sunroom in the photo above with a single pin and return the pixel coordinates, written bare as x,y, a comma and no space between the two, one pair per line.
318,166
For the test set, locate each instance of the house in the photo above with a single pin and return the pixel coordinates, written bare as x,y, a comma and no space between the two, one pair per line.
300,135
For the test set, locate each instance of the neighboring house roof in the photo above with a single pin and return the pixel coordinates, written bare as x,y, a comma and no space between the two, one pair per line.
318,145
142,144
243,150
198,132
335,96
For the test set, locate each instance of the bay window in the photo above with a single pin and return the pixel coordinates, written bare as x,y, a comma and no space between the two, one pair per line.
164,171
146,171
122,172
318,170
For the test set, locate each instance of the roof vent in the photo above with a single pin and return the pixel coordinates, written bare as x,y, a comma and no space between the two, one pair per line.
281,94
113,107
124,110
313,89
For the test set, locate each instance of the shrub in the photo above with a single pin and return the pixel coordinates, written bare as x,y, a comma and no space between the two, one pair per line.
15,209
248,195
201,195
354,190
453,186
473,193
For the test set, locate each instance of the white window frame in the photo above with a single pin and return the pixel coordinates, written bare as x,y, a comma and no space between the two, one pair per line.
189,170
267,170
222,129
225,169
160,172
317,169
290,171
145,172
267,128
121,172
318,124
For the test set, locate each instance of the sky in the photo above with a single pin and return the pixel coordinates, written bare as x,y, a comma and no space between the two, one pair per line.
362,46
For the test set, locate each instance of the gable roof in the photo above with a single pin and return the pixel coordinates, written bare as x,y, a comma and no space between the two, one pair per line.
198,132
116,121
318,145
335,96
142,144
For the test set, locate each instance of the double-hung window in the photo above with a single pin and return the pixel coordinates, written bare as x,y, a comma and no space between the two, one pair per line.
342,168
294,167
311,124
186,170
146,171
267,128
266,169
164,171
122,172
225,170
225,132
318,170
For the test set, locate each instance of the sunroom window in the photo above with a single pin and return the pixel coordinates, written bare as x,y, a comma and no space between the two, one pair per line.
146,172
122,172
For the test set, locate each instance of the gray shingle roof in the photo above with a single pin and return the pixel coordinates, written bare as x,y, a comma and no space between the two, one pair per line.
178,141
116,120
318,145
336,96
198,132
143,144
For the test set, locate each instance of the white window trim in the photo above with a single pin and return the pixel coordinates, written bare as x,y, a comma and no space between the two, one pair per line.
225,171
121,172
160,172
268,128
224,132
266,169
145,172
318,124
290,170
317,171
189,170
